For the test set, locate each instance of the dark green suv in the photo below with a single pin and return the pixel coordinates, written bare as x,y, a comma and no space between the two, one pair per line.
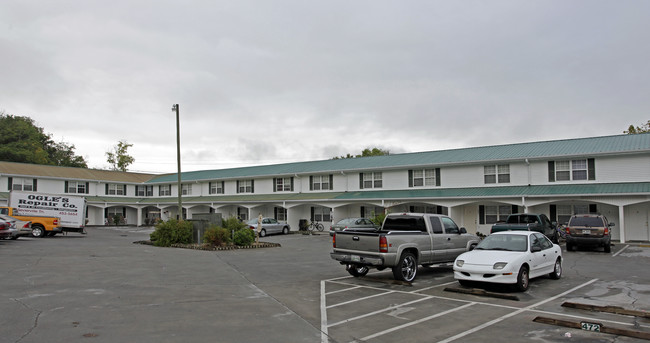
588,230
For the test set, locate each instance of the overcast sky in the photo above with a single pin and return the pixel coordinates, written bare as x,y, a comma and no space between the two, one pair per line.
266,82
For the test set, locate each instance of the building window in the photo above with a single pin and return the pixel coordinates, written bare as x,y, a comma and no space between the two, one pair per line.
572,170
76,187
321,182
165,190
283,184
321,214
491,214
144,191
497,173
186,189
22,184
424,177
216,187
280,213
370,180
245,186
115,189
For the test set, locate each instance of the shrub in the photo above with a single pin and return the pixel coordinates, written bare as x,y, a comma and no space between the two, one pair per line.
217,236
233,224
172,232
244,236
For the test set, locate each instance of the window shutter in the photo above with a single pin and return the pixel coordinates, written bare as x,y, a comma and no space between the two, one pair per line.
9,182
311,182
360,180
107,189
252,186
35,185
237,186
515,209
65,187
551,171
481,214
437,176
331,182
553,212
275,212
593,208
124,189
312,214
124,212
275,184
87,187
591,168
106,212
363,211
410,177
291,185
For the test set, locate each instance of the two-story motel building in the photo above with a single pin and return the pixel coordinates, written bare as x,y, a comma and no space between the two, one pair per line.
475,186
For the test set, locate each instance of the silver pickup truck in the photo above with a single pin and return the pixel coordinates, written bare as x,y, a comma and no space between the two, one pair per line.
404,241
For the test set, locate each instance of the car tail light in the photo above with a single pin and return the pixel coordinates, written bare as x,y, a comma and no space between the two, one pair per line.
334,240
56,222
606,233
3,226
383,244
251,227
26,226
568,230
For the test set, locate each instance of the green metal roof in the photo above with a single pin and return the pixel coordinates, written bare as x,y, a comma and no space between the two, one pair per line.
619,144
637,188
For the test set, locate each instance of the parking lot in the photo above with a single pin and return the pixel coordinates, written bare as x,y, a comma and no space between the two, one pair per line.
101,287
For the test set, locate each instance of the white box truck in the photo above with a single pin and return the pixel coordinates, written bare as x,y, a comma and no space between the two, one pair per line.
70,209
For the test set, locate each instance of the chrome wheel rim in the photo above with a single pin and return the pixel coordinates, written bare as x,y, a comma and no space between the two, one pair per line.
409,268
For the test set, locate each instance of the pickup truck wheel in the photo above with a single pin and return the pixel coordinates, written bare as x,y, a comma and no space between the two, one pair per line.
557,270
406,268
522,279
357,271
38,231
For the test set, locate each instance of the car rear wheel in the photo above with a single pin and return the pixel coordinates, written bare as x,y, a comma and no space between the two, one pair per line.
285,230
38,231
569,247
522,279
357,271
263,233
407,268
557,270
607,248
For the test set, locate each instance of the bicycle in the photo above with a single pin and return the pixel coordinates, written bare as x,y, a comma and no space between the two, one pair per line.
561,230
316,226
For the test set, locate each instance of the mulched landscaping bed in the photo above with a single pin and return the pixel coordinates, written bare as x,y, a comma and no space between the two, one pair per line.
213,248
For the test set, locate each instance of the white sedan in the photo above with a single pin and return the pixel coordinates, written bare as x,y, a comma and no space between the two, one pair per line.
510,257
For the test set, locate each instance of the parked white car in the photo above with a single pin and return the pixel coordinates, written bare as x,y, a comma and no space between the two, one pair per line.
510,257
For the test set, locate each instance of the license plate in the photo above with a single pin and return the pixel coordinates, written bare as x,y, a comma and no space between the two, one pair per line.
590,326
586,232
355,258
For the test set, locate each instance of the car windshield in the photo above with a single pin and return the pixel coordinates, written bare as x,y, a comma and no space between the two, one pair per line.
522,219
586,221
504,242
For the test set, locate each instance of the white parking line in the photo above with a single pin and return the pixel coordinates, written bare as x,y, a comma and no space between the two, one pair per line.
417,321
511,314
620,251
360,299
343,290
516,310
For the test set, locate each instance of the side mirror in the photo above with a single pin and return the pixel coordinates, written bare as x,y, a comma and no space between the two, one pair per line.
462,231
611,224
535,249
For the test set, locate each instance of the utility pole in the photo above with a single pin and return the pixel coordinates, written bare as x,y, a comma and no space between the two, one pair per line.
175,108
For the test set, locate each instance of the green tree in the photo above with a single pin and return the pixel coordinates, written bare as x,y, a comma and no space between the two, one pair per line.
119,157
367,152
638,129
22,141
